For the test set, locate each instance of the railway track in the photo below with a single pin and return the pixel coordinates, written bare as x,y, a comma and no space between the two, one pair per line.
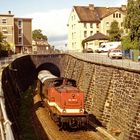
52,130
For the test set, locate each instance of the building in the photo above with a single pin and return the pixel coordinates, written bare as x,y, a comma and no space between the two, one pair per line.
94,41
23,35
85,21
40,46
17,32
7,28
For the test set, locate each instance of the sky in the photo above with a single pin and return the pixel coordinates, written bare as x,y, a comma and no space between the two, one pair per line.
51,16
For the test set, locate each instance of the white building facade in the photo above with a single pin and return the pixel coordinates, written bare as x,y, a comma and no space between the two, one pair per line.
85,21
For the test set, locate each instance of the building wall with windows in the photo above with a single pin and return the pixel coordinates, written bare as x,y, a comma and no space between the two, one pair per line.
74,28
23,35
85,21
77,31
106,22
17,32
7,28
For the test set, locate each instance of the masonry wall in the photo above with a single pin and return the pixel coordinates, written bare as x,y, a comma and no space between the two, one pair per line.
111,94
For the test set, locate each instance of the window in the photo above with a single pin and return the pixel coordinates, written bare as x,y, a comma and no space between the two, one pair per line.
19,31
4,20
20,40
72,17
91,25
91,33
116,15
107,24
85,33
5,38
85,25
119,15
72,45
72,36
97,24
72,27
19,23
4,29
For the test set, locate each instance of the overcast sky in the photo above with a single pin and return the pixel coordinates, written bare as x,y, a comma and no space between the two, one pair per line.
51,15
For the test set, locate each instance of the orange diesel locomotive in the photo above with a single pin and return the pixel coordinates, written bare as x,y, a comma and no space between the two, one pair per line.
64,100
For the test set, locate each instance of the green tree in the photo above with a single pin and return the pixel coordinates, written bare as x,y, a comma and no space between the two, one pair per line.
1,37
132,22
3,44
114,32
37,34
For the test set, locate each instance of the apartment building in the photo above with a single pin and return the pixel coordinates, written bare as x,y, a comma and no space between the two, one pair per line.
17,32
7,28
23,35
85,21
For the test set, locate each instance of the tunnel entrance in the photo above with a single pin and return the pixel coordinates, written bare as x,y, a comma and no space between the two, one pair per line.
50,67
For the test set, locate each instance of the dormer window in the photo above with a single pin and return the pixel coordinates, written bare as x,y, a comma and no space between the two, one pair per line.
119,15
114,15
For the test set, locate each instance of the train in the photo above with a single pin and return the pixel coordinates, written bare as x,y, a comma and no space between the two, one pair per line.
64,101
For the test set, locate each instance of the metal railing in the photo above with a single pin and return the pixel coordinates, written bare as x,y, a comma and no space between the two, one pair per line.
105,60
5,124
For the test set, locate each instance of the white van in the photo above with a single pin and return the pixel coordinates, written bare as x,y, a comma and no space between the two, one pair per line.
105,47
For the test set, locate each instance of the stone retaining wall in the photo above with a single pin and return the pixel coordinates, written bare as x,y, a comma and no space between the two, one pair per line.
111,94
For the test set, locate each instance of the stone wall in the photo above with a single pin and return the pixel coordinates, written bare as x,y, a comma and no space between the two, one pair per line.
111,94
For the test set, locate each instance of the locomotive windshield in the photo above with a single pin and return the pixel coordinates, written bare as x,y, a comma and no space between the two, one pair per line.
64,81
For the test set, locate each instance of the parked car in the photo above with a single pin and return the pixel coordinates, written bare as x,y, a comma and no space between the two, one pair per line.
115,53
88,50
105,47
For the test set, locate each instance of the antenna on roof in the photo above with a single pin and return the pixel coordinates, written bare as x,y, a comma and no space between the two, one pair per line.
9,12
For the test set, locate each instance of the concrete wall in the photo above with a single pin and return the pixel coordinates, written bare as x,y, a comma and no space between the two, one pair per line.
111,94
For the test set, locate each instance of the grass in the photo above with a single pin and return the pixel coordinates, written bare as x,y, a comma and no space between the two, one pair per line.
26,120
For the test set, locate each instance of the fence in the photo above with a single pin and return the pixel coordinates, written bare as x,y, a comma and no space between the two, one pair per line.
5,125
104,59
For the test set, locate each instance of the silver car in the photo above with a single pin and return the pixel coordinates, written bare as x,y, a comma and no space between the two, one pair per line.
115,53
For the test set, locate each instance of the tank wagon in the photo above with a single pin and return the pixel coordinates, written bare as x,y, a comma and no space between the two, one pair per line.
63,99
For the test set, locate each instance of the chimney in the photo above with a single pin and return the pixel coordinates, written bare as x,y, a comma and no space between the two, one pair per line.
91,6
123,7
9,12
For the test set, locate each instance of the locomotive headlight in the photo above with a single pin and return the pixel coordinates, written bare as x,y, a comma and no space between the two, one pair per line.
81,110
64,110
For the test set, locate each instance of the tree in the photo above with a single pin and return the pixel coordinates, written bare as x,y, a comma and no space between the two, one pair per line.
114,32
1,37
3,44
132,22
37,34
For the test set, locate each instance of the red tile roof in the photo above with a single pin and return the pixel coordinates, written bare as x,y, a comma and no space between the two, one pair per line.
86,14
